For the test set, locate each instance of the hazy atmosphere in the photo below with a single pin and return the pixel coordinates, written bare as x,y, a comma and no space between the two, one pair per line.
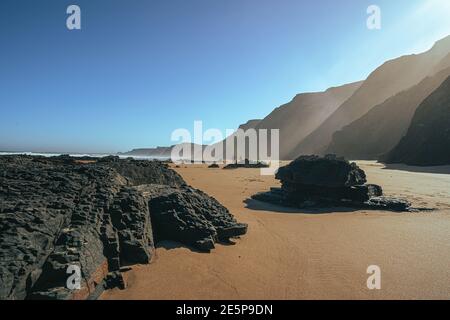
225,155
118,83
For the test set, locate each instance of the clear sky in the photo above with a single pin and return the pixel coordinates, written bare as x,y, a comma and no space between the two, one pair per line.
139,69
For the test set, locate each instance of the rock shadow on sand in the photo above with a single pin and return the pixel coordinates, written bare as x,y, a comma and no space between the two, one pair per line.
171,245
257,205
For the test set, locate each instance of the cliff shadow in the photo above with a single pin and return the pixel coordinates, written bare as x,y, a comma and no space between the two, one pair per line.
418,169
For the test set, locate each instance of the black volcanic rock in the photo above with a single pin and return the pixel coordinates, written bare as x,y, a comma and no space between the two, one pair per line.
246,164
312,181
54,215
189,216
144,171
57,212
427,141
328,171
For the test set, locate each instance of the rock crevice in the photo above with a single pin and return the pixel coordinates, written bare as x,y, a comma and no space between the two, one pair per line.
57,212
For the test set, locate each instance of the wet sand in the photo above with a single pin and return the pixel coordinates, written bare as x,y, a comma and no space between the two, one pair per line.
298,254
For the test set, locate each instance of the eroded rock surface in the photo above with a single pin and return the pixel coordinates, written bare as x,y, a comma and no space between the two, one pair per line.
190,216
328,171
54,215
312,181
144,172
61,213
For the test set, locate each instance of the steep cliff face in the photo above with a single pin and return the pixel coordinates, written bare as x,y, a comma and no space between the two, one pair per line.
381,129
386,81
427,141
57,215
294,120
298,118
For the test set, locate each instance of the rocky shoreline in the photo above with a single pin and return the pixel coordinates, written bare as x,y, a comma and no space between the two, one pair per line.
99,215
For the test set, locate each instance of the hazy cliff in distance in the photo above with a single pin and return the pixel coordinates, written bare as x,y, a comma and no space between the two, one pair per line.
304,114
386,81
166,152
380,130
159,152
427,141
361,120
251,124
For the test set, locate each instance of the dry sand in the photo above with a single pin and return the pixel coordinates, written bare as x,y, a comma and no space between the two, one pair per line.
293,254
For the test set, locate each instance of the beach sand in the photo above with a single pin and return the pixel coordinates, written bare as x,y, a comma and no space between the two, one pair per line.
298,254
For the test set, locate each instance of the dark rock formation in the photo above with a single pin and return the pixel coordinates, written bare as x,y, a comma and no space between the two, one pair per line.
189,216
328,171
54,215
246,164
57,213
142,171
213,166
427,141
312,181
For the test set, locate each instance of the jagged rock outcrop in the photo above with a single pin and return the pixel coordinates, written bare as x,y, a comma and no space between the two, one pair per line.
313,181
328,171
142,172
59,214
189,216
427,141
53,215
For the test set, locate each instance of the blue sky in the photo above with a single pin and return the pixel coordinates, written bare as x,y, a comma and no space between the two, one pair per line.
140,69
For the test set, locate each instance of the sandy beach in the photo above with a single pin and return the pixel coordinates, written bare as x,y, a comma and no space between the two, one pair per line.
298,254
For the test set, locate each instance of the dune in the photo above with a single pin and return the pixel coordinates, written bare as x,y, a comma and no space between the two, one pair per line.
295,254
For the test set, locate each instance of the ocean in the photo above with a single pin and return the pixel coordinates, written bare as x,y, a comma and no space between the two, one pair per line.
79,155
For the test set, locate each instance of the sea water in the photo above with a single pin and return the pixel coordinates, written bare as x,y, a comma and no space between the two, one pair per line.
79,155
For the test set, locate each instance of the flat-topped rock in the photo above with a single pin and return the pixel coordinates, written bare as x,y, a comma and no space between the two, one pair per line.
313,181
328,171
